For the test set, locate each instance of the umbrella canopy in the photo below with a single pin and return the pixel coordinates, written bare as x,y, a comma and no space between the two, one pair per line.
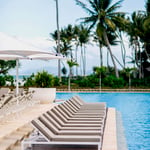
12,48
11,57
46,56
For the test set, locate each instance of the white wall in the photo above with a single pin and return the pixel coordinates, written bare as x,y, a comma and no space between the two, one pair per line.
44,95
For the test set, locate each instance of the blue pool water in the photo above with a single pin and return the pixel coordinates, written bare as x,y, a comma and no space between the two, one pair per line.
135,110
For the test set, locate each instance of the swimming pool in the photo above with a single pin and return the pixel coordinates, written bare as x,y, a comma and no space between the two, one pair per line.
135,110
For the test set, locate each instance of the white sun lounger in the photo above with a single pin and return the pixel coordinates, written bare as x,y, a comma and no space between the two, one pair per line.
57,127
48,123
77,113
73,121
68,115
49,138
77,124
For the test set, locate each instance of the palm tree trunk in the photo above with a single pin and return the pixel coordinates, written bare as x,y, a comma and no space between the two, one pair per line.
109,49
136,59
76,55
100,55
69,84
58,38
84,62
123,50
107,59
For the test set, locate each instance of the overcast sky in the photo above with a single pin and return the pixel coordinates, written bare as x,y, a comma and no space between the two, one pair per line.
35,19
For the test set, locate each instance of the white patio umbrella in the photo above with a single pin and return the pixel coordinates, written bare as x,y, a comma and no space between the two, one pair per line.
12,48
33,57
46,57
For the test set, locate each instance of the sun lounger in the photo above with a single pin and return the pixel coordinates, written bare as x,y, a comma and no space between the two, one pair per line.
76,112
73,121
54,139
57,131
60,127
88,104
69,125
83,107
5,100
64,124
4,91
68,115
96,106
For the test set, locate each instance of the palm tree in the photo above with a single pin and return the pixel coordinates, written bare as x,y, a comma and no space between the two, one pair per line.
121,29
83,38
100,43
71,63
58,39
76,40
135,31
102,15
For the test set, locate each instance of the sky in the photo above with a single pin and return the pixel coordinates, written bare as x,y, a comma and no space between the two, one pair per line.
34,20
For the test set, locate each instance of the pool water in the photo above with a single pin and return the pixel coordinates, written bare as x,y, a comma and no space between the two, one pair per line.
135,110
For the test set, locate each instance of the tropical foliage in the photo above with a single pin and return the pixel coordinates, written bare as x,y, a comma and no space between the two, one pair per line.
104,26
5,66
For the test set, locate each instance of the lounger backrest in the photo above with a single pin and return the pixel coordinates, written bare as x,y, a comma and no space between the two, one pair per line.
75,104
78,99
3,91
37,124
48,124
71,104
65,110
69,109
61,114
53,121
55,117
74,110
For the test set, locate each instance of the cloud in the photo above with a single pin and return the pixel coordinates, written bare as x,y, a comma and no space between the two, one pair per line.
92,57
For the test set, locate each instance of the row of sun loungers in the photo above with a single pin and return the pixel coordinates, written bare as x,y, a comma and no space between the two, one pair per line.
73,122
9,99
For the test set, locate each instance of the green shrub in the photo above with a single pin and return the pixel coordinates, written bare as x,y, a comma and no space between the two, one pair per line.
56,81
88,81
2,81
30,81
9,79
44,79
83,82
112,81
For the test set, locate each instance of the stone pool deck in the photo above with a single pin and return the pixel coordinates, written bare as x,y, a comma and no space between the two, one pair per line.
14,127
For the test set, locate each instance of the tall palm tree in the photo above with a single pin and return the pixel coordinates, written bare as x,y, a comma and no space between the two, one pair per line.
136,32
58,39
83,39
100,40
100,43
71,63
102,15
120,30
76,31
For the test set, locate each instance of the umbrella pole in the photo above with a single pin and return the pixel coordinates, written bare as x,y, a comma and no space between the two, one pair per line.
17,85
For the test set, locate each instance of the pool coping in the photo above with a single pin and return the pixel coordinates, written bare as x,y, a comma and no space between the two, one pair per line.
110,131
103,91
